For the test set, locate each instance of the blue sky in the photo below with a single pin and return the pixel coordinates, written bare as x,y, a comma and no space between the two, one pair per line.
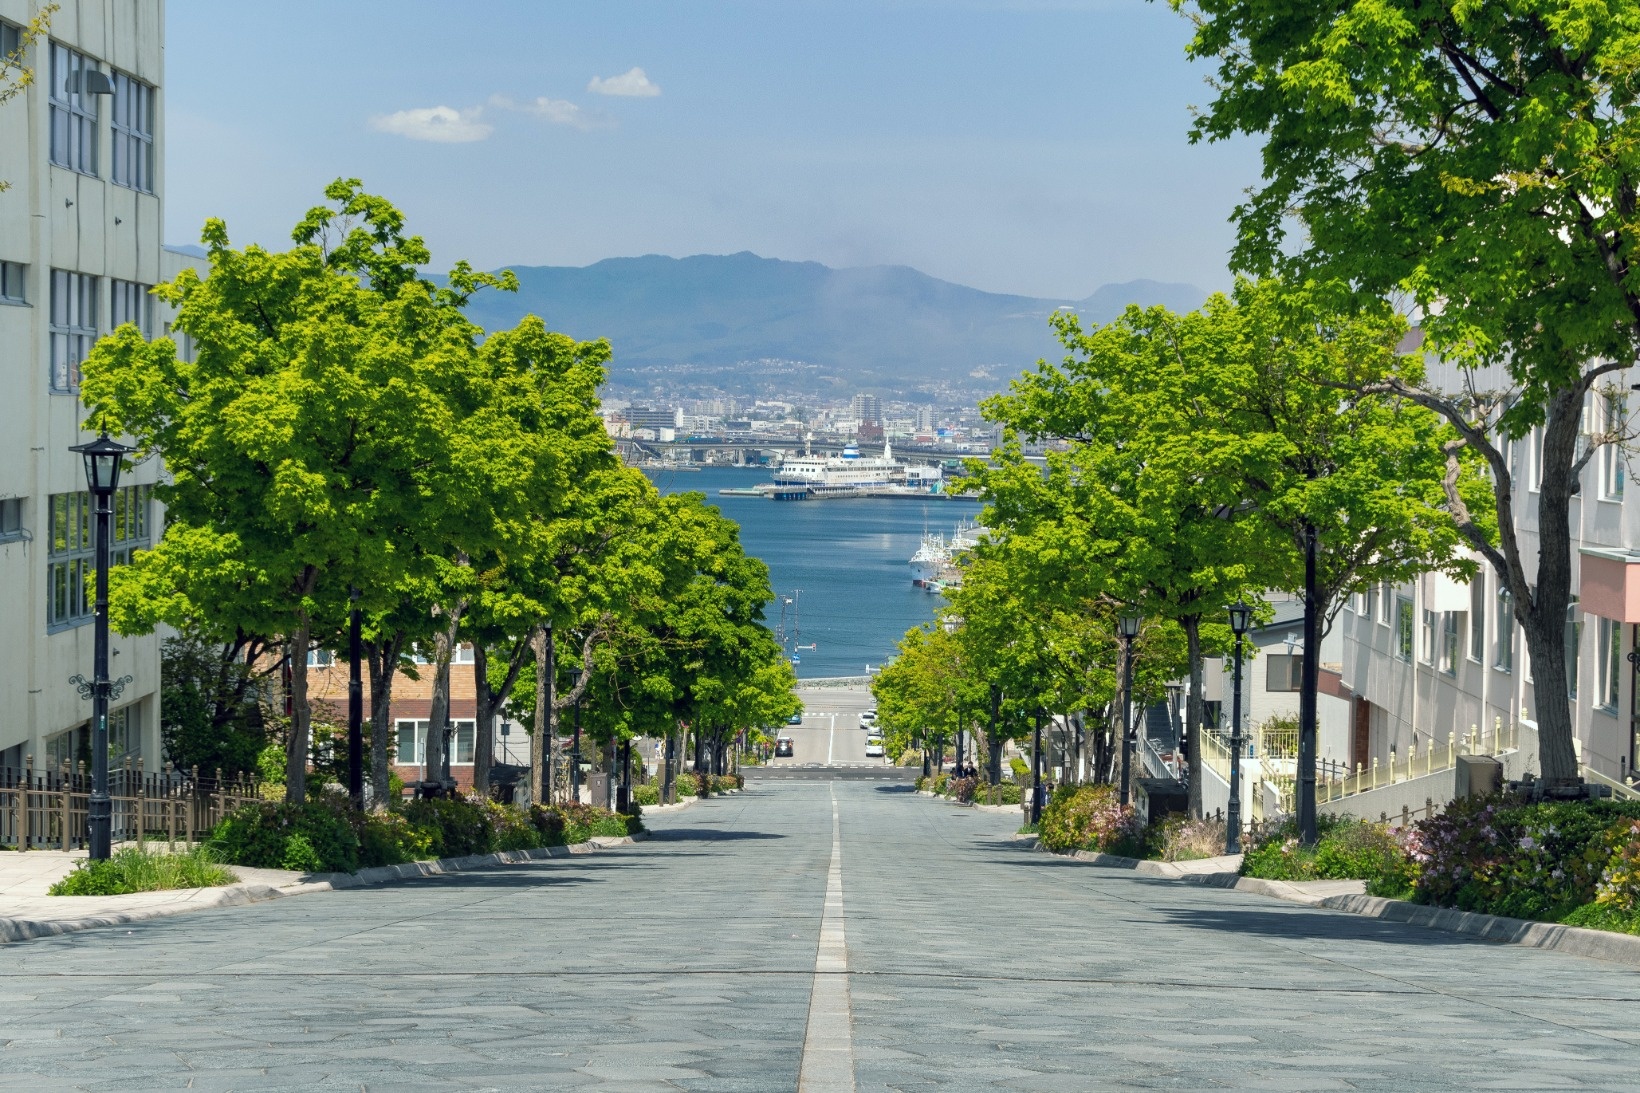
1029,147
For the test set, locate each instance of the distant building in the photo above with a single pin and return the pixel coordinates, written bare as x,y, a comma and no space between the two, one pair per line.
927,419
868,409
645,417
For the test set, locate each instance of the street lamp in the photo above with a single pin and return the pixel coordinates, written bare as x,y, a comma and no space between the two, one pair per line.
1241,618
575,749
1127,628
103,458
1036,770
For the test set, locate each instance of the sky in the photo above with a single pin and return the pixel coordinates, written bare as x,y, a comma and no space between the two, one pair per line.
1037,147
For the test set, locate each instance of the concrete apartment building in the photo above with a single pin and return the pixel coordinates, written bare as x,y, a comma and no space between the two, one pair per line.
79,247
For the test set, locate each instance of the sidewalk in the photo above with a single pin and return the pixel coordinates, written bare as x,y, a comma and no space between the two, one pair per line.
28,911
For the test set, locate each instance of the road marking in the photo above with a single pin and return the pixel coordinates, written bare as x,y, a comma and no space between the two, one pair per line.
828,1042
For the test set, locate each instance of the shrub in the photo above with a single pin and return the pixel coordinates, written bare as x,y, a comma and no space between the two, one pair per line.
686,785
511,825
549,822
387,838
134,869
999,793
647,794
1089,817
962,789
1619,887
939,782
1180,838
1019,767
723,783
260,835
457,827
1346,849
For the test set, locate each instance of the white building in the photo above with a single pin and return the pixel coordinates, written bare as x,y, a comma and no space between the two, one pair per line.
79,248
1426,659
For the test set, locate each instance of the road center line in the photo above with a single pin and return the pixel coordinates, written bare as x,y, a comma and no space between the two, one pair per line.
828,1042
831,743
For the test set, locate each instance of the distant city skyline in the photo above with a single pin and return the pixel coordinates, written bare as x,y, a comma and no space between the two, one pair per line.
1034,147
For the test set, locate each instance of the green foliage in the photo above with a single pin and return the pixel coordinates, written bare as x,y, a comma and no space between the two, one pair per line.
649,794
1347,849
210,714
135,869
686,785
319,833
455,826
1180,838
1090,817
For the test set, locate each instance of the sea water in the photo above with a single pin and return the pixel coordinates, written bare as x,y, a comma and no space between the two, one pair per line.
845,561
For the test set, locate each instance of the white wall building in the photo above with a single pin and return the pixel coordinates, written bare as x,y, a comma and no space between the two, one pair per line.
1435,657
79,248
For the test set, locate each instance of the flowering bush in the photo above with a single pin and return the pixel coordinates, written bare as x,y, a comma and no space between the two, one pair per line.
1619,886
1089,818
961,789
1346,849
1179,838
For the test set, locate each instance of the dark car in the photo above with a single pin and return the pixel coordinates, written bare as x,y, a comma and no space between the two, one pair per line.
783,747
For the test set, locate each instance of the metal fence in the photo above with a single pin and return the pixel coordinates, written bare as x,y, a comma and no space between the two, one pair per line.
44,808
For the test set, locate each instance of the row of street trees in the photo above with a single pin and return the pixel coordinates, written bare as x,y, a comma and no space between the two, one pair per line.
343,438
1474,164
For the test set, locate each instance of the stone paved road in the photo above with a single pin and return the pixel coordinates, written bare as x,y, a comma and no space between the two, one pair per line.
689,962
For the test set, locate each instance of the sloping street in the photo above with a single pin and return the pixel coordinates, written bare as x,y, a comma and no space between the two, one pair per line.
804,928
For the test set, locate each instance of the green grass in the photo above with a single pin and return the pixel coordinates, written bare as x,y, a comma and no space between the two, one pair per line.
136,870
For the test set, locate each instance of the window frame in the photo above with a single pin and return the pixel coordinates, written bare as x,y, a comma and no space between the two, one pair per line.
1405,629
14,283
1477,618
72,115
71,548
1613,416
125,297
1451,638
1429,636
129,136
73,305
1609,653
11,519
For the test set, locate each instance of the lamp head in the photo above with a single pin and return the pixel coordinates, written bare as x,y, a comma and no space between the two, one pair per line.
1241,618
103,459
1128,625
575,675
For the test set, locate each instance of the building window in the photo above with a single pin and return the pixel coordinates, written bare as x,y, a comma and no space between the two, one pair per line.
11,519
71,568
1283,672
1610,662
1535,445
130,302
73,326
1426,646
13,284
412,750
1369,606
1386,600
73,113
1477,618
1504,655
1574,640
1403,628
1451,624
184,344
133,125
1614,414
11,45
463,654
320,658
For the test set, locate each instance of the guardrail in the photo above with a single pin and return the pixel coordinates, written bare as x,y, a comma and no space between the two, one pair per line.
1437,756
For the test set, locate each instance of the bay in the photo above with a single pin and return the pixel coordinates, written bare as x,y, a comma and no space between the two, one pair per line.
845,561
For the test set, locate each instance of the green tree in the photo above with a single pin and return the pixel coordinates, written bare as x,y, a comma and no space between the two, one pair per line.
1482,159
212,715
315,443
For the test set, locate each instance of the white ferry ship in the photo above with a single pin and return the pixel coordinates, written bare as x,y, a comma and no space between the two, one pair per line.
846,473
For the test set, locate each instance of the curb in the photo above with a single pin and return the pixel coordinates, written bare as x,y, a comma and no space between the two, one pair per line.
1574,940
240,895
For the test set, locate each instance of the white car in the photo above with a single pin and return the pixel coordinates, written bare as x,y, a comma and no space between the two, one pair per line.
874,747
868,720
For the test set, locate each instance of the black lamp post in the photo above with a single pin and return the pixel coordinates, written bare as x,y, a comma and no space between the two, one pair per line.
1241,618
575,748
959,741
1036,769
1127,627
103,457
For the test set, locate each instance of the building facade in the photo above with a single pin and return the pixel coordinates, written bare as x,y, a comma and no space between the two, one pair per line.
1434,657
79,249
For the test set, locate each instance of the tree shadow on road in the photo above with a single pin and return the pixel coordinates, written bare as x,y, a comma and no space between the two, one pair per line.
1312,924
707,834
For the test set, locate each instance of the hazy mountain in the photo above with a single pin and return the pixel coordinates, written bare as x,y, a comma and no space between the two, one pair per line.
891,324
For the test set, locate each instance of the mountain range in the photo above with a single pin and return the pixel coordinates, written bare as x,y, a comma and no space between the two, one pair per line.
889,326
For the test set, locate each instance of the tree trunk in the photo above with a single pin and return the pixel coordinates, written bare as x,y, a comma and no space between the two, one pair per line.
1193,711
1544,612
484,729
382,661
545,719
993,736
296,745
1309,683
438,717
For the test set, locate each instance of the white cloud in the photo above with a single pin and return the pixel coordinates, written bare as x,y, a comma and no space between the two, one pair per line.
556,111
440,124
632,84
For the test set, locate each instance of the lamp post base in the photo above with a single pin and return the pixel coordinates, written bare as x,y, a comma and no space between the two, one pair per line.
99,827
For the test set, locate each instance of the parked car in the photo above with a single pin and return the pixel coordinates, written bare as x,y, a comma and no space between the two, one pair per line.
783,747
868,720
874,748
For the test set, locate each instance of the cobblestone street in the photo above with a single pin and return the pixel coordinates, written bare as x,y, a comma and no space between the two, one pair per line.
690,962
